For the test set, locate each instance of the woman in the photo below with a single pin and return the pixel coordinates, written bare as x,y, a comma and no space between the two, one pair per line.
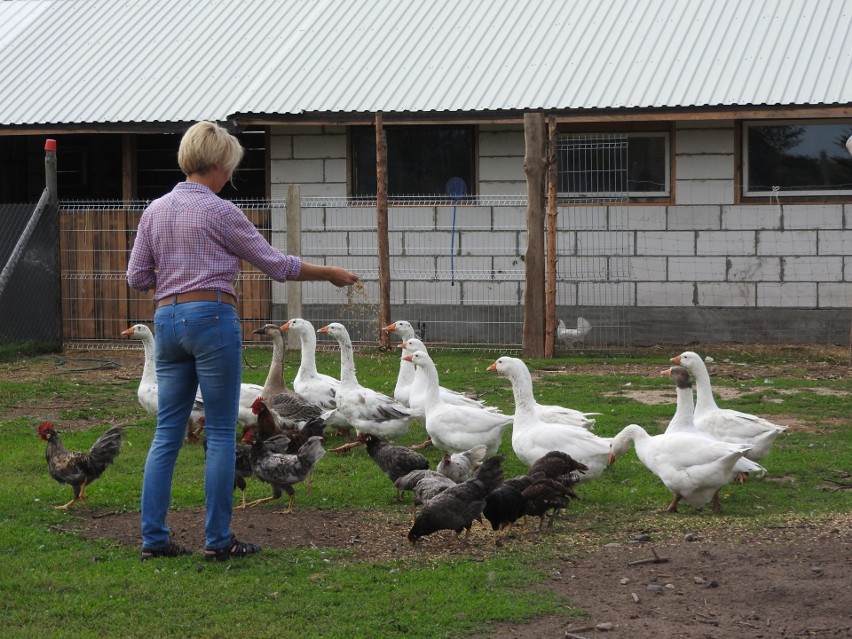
188,249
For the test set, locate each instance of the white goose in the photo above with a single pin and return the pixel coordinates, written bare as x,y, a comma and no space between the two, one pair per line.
517,372
366,410
147,391
314,386
417,389
682,421
455,428
289,407
723,423
405,378
692,466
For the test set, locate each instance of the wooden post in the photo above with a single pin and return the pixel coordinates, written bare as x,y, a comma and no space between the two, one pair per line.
382,229
294,247
534,167
552,212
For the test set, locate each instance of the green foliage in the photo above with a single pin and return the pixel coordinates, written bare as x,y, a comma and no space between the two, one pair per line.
57,583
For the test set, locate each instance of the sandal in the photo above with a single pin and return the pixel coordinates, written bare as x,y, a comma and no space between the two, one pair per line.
235,549
171,550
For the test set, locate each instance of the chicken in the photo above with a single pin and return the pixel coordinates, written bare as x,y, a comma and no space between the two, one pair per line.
394,461
572,336
281,470
456,507
460,466
76,468
556,465
545,495
505,504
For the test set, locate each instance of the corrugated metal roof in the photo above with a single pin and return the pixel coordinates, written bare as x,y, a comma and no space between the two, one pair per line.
137,61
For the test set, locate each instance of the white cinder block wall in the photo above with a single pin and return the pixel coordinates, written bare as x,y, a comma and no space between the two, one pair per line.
675,266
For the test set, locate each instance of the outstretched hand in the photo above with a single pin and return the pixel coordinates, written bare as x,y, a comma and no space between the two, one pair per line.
341,277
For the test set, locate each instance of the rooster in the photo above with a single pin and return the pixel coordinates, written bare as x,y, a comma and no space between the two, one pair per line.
456,507
282,470
571,336
75,468
394,461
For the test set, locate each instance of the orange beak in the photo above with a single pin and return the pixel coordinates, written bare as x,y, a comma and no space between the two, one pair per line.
493,367
676,360
324,329
128,332
408,358
285,327
666,372
611,459
389,328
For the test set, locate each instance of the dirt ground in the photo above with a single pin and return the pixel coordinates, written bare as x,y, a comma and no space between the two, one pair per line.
780,582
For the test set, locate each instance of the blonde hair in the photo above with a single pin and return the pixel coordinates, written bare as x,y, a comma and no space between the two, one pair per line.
205,145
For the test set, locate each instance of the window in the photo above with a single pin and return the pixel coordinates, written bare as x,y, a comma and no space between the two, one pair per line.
614,165
797,158
157,169
421,159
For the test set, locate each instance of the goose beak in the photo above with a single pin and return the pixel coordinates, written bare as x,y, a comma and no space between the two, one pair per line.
611,459
676,360
493,367
401,345
389,328
408,358
128,332
324,329
285,327
667,372
259,331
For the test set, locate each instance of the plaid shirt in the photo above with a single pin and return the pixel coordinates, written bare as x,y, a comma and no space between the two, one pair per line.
191,239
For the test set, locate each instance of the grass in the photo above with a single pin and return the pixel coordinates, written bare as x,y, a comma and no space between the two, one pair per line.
55,582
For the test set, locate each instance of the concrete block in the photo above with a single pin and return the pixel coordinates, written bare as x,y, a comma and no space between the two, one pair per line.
665,294
703,191
363,243
486,242
786,243
750,217
606,293
787,295
501,143
406,268
508,266
426,242
822,217
697,269
505,218
324,190
726,294
502,169
335,170
835,242
605,243
726,243
637,218
465,267
847,269
566,243
583,268
813,269
281,147
582,218
638,269
355,217
298,171
835,295
476,293
411,218
319,146
754,269
699,218
566,293
325,243
650,243
705,167
705,141
467,217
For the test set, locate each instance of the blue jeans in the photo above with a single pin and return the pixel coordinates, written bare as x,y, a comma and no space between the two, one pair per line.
197,344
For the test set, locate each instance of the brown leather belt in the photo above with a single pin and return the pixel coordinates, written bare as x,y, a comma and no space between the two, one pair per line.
198,296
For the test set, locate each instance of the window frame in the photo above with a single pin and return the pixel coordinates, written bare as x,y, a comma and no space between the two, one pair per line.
633,130
746,192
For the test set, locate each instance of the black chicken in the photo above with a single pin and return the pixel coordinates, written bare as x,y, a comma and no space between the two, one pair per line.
75,468
282,470
395,461
547,495
424,483
556,465
505,504
456,507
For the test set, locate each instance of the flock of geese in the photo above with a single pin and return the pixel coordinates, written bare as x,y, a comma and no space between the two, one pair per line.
703,447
